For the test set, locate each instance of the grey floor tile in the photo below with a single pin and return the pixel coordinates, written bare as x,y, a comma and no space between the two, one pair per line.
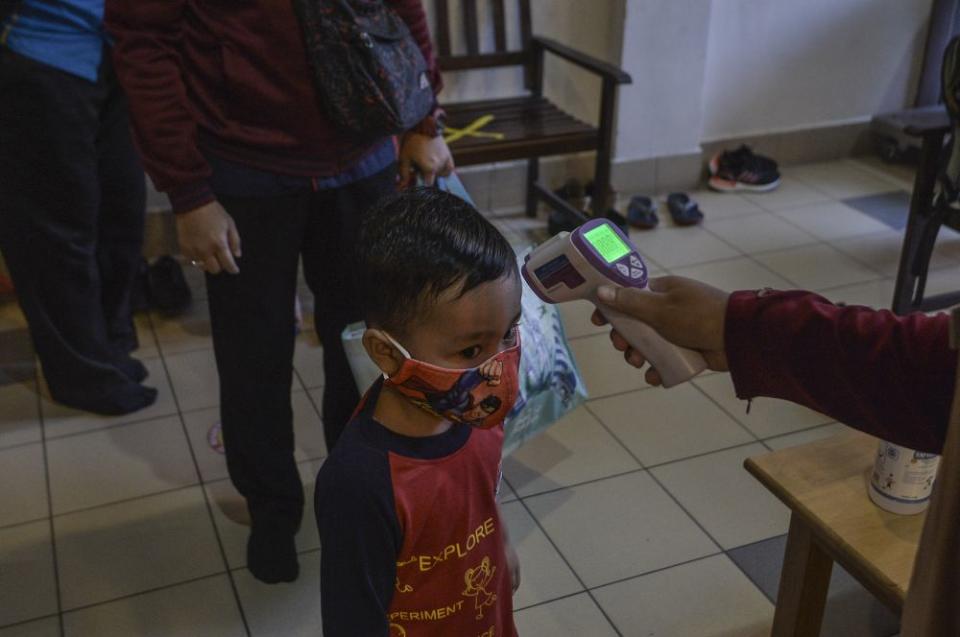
642,529
205,607
283,610
576,616
655,431
119,463
48,627
543,573
705,598
27,584
851,611
131,547
184,332
726,500
603,369
61,421
890,208
18,361
19,414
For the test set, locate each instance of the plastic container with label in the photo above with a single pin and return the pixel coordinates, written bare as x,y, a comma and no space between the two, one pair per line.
902,479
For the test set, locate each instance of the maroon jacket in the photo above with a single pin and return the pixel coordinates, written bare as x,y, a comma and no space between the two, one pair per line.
229,78
887,375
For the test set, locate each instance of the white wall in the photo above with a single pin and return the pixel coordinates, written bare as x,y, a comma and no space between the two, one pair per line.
779,65
664,48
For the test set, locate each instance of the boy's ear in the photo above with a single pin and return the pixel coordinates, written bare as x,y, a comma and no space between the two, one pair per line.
382,352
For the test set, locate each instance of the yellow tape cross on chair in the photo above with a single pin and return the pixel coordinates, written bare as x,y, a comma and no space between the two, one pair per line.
472,130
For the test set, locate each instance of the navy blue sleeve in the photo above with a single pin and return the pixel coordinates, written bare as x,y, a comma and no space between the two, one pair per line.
359,542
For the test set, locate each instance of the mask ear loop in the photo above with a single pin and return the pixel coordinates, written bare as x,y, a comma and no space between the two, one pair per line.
401,348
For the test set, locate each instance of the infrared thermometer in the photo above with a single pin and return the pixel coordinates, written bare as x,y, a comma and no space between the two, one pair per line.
572,265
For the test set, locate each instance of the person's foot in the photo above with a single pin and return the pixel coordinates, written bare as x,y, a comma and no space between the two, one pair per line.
133,369
126,399
272,556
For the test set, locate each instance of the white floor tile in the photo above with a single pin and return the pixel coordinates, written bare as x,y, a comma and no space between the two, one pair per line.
283,610
706,598
20,414
816,267
184,332
307,429
839,179
574,450
660,425
576,319
507,492
575,616
60,421
49,627
23,496
205,607
730,504
194,379
135,546
735,274
119,463
603,369
806,436
233,520
543,573
789,194
308,359
881,251
676,247
619,527
27,585
832,220
760,233
767,417
716,206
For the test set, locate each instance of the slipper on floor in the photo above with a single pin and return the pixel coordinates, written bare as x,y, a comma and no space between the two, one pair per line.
642,213
683,209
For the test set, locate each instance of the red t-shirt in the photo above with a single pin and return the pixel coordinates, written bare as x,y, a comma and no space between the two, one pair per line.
412,544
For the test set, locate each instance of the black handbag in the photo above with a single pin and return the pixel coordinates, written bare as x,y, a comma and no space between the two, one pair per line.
370,75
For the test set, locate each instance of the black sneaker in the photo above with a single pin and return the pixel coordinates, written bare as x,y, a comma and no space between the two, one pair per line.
741,169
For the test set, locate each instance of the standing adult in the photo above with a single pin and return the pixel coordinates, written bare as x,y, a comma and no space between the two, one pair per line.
72,202
226,115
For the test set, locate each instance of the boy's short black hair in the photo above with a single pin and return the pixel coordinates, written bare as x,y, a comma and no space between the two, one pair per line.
417,244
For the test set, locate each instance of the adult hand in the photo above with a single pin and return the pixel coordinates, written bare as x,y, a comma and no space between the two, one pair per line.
685,312
428,155
209,237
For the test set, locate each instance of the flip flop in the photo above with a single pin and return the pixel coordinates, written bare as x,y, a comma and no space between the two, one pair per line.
683,209
642,213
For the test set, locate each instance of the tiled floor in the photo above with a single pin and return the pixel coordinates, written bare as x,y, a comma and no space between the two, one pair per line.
632,516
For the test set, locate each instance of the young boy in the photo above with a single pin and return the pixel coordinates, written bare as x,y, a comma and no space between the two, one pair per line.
412,541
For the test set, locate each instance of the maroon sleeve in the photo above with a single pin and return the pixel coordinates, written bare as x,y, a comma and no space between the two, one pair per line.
146,55
887,375
412,13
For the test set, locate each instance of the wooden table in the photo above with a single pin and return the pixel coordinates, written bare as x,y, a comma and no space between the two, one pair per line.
833,520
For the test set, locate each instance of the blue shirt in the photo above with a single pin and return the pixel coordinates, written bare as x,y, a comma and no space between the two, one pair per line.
65,34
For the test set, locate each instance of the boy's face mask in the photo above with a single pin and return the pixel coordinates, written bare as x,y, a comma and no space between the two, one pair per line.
481,396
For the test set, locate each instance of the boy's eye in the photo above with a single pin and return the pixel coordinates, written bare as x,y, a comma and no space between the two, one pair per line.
470,352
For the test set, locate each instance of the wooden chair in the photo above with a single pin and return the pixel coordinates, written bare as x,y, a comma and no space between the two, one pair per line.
531,125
